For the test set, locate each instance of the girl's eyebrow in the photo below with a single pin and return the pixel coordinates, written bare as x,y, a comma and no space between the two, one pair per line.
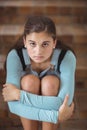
36,42
46,41
31,41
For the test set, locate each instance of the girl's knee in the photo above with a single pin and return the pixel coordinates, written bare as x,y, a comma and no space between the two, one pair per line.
50,85
30,83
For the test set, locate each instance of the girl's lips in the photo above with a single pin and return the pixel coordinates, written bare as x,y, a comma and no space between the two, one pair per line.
38,57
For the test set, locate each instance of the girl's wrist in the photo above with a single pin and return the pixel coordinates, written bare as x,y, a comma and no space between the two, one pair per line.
59,118
18,94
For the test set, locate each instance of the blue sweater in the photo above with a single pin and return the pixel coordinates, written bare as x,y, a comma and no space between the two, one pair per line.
37,107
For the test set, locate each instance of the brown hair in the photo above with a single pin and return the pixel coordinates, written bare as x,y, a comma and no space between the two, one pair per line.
39,24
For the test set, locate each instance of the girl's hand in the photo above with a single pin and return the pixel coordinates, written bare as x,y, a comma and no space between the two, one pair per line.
10,92
65,111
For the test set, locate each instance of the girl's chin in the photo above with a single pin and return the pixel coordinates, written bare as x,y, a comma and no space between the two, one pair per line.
38,61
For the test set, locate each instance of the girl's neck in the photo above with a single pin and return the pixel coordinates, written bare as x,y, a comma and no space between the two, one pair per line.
40,66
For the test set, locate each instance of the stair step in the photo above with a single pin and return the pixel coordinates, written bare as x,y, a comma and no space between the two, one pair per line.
74,30
46,3
55,3
48,8
74,125
60,11
11,29
58,19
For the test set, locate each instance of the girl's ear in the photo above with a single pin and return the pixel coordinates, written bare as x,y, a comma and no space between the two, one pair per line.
24,40
55,42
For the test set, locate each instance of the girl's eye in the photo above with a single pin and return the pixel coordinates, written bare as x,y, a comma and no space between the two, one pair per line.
32,44
45,44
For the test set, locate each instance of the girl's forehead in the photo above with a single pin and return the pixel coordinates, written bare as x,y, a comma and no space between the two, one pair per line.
38,36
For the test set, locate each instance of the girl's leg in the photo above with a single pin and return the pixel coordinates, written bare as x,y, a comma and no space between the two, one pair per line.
50,87
29,124
30,83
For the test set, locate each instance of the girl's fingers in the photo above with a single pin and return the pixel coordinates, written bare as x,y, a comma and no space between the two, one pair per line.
4,85
72,107
66,100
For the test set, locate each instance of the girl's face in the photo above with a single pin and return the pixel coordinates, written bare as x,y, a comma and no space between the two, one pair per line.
39,46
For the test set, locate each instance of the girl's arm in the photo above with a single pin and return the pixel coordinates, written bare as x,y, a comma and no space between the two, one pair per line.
67,78
31,101
14,72
33,113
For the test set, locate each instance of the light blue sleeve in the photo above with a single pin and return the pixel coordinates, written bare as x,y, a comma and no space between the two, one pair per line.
14,69
67,68
33,113
67,78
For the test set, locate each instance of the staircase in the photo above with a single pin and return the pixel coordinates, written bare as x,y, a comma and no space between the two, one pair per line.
70,17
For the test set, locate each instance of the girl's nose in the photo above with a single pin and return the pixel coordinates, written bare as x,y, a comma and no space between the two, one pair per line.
39,50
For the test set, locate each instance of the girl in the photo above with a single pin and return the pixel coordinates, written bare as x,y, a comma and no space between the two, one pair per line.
38,91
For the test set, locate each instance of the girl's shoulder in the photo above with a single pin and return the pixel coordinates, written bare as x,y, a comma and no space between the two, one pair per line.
67,53
12,52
